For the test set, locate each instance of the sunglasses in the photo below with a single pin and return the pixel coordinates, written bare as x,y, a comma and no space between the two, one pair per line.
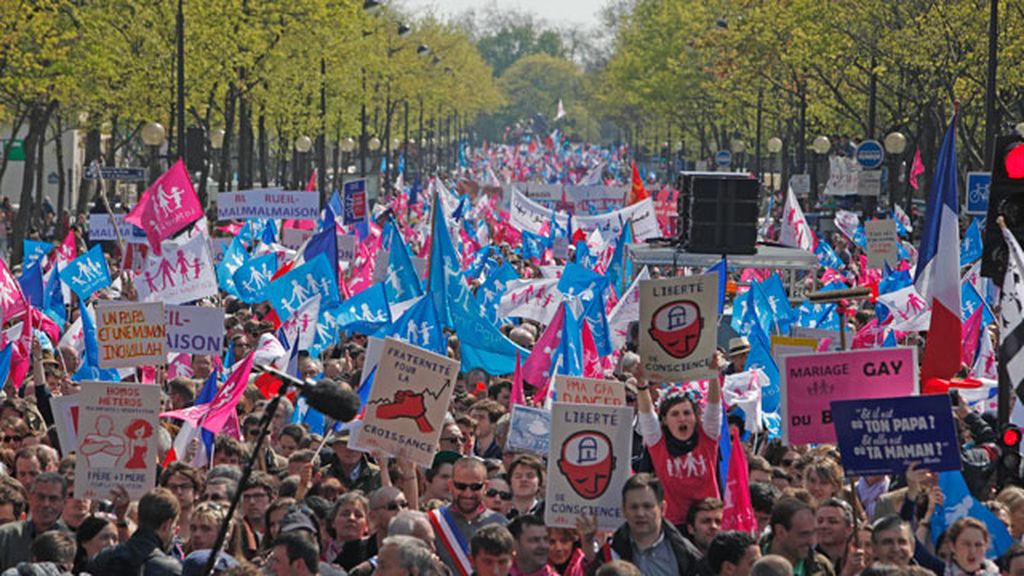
499,493
474,487
396,506
13,438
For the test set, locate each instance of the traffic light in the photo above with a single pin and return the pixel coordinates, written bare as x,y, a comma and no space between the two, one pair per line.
1006,199
1009,453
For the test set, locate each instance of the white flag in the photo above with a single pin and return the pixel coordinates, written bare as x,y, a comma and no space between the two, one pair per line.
795,230
533,299
910,311
1011,313
625,311
561,111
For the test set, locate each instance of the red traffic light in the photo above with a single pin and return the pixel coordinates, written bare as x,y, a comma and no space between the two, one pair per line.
1011,436
1015,162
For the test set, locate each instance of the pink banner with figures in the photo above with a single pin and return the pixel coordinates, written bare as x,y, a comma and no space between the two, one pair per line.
810,382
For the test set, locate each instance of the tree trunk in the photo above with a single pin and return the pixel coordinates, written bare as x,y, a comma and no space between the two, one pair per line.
224,183
264,161
62,181
92,154
111,157
19,120
22,221
245,144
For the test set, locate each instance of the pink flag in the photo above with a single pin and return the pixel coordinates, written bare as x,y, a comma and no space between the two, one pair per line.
518,392
216,414
21,355
67,251
167,206
12,299
916,169
539,363
970,335
870,336
591,359
739,512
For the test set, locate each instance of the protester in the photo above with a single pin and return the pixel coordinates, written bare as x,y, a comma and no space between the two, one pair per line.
46,498
145,551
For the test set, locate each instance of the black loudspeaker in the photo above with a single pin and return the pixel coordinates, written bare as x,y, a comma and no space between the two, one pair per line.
195,149
718,213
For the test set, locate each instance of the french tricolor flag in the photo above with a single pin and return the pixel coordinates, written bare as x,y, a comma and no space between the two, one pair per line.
937,277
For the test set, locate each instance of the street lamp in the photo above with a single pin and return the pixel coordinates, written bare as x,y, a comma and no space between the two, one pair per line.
404,30
774,147
371,6
153,136
374,144
895,145
423,50
738,147
303,144
821,146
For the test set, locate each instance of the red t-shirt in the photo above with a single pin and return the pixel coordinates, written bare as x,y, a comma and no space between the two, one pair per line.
686,478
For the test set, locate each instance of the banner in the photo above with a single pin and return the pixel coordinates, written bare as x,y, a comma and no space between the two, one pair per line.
194,329
101,228
529,430
407,404
271,203
183,273
531,217
531,299
811,381
678,324
131,334
573,390
885,435
116,439
588,463
883,243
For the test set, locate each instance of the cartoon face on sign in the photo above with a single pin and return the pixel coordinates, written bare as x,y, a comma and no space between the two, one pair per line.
587,462
676,327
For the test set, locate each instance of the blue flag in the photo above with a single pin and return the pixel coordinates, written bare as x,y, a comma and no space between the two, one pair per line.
578,282
289,292
31,281
760,356
269,235
234,257
419,326
725,451
90,368
971,245
206,396
87,273
326,329
490,292
959,503
570,346
35,252
445,283
618,273
325,242
534,245
401,282
597,320
252,279
826,255
5,361
53,299
970,300
722,269
366,312
481,344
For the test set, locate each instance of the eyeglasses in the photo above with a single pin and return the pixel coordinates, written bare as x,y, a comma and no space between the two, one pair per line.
214,498
630,397
396,506
499,493
180,486
13,438
474,487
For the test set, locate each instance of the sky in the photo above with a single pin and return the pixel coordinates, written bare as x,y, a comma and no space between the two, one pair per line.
557,12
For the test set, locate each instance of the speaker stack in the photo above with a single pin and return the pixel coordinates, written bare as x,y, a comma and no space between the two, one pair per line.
718,213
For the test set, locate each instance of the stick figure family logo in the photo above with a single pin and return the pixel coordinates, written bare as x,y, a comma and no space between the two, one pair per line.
587,460
180,265
676,327
408,404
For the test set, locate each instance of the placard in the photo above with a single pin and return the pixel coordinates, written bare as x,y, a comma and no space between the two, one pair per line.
529,430
883,243
588,463
347,245
101,228
117,439
786,345
65,415
573,390
195,329
182,273
131,334
354,202
811,381
886,435
271,203
869,183
407,403
678,321
835,341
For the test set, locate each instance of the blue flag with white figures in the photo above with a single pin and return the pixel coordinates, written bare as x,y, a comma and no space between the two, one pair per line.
326,329
419,326
35,252
481,344
53,299
827,256
234,257
778,300
597,320
971,245
489,293
87,273
959,503
578,282
303,414
534,245
570,346
619,270
760,356
252,279
445,283
90,368
325,242
289,292
366,312
970,300
401,282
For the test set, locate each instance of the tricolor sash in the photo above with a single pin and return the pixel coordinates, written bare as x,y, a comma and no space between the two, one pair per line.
456,546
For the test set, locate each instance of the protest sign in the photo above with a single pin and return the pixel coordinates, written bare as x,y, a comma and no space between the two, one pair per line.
294,238
883,243
588,462
811,381
268,203
182,273
573,390
354,200
65,415
678,320
885,435
117,444
786,345
101,228
131,334
194,329
407,404
835,343
347,245
529,430
869,182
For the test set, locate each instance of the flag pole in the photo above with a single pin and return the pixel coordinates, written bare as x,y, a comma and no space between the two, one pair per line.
433,216
106,205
